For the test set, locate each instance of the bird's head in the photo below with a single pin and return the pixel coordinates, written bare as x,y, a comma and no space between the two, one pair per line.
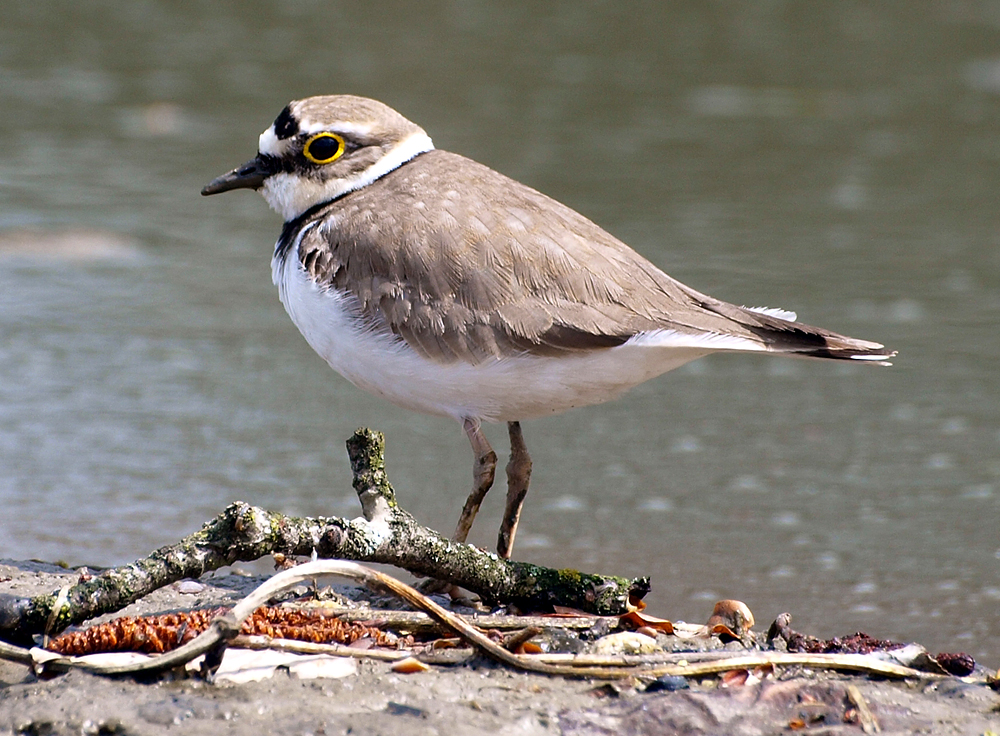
321,148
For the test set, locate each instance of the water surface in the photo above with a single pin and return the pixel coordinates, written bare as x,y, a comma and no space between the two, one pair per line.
840,160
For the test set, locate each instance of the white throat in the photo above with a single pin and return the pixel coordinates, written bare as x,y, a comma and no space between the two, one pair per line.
290,195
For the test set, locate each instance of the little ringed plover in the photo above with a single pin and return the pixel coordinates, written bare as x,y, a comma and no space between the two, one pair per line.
447,288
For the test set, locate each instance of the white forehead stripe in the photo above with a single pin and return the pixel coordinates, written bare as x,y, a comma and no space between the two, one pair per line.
355,130
269,143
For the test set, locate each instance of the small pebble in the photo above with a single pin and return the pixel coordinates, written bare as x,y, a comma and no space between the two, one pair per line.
624,642
189,587
670,683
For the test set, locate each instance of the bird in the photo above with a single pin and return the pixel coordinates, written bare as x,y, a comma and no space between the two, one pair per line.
447,288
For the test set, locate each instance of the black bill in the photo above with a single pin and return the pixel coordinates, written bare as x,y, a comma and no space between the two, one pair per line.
250,175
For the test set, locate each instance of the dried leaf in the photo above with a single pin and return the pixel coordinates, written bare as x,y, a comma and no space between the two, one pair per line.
763,671
512,642
566,611
409,666
638,620
636,604
734,678
528,647
724,632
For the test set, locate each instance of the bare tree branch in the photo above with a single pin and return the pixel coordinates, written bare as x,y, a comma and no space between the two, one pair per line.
386,534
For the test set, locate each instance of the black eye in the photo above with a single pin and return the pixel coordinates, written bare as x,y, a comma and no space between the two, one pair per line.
323,148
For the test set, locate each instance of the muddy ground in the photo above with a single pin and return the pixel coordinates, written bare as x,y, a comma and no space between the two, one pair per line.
477,697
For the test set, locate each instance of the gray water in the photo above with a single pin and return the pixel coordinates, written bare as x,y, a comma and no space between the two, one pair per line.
838,159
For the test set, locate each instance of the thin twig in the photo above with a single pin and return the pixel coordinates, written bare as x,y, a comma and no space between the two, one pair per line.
418,622
850,662
865,717
260,642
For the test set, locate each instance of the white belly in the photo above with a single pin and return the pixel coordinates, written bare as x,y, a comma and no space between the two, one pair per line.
520,387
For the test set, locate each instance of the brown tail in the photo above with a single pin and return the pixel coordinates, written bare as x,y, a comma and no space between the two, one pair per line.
782,334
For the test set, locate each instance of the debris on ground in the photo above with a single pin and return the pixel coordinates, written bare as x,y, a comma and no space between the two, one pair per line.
401,671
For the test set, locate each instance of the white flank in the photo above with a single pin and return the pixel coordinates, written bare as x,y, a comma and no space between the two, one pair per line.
519,387
290,194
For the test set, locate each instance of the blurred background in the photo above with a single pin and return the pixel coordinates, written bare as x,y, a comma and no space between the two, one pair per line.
838,159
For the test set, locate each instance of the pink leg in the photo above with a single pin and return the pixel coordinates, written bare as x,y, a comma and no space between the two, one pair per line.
518,475
483,470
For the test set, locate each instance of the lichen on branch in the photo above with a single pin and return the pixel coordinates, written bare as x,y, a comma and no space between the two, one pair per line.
386,534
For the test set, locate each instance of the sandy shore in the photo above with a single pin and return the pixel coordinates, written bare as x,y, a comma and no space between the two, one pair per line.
475,697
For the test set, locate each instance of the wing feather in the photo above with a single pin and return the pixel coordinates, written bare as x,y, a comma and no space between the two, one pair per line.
465,279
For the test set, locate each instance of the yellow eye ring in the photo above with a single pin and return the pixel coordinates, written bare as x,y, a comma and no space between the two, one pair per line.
324,148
